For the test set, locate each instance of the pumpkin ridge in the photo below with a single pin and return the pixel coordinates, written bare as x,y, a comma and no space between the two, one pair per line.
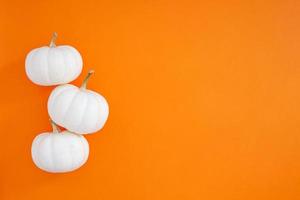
92,95
52,157
77,56
65,65
67,110
54,100
84,112
40,144
47,67
70,167
35,58
37,149
27,63
78,59
100,99
57,95
84,150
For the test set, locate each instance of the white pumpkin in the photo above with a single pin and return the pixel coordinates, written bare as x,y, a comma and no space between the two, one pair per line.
59,152
53,65
78,109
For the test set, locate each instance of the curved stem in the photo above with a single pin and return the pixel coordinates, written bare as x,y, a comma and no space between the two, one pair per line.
84,83
55,128
53,40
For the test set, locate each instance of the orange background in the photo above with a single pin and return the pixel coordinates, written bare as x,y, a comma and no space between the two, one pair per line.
204,99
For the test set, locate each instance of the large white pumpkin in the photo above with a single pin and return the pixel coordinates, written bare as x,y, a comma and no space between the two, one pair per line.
78,109
59,152
53,65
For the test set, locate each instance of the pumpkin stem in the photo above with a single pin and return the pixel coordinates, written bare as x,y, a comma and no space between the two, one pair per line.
55,128
84,83
53,40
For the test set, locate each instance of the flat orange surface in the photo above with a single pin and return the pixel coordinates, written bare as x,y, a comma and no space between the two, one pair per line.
204,99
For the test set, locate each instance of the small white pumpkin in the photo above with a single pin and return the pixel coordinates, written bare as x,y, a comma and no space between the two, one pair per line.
59,152
79,110
53,65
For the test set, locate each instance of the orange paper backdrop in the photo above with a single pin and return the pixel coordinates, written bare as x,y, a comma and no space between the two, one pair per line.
204,99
